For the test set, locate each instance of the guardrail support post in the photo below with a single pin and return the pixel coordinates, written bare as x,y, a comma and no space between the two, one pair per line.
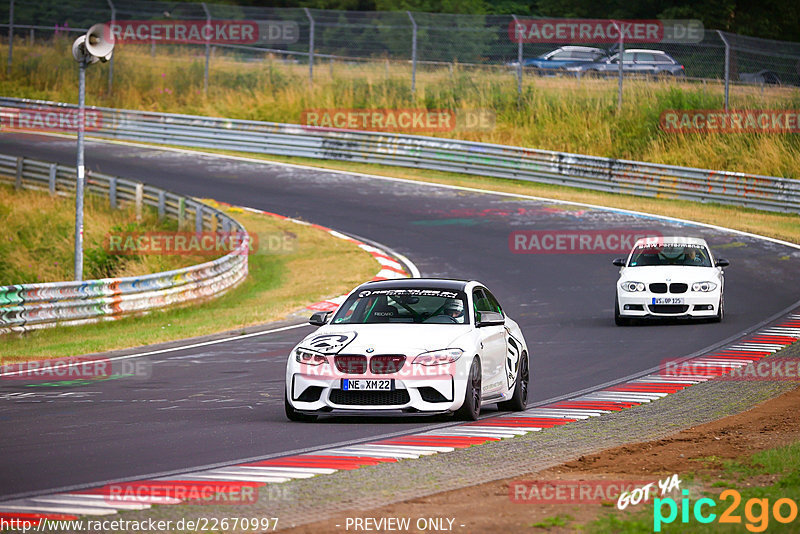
18,180
198,218
162,205
139,197
181,212
52,179
208,50
310,46
727,66
413,53
112,192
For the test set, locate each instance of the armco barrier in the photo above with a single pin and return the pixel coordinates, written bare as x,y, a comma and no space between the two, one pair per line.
518,163
29,306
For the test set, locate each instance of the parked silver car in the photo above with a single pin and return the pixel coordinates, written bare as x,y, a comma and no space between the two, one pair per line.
634,61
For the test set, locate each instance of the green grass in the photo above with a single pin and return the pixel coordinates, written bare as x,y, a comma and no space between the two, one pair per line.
318,266
37,241
547,523
552,113
783,462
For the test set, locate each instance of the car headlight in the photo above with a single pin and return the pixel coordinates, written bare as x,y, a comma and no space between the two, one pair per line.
632,286
704,287
309,357
438,357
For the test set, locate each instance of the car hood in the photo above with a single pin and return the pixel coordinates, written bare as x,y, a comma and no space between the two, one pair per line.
676,273
409,339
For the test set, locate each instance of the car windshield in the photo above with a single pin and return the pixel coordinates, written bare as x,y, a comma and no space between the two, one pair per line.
670,254
404,305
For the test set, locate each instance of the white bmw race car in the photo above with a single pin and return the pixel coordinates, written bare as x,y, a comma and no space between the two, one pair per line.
670,277
412,345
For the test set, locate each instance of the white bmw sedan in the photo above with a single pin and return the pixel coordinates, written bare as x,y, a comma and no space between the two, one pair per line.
670,277
412,345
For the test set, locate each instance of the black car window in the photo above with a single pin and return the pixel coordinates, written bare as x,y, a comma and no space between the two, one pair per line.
493,302
663,58
558,56
642,57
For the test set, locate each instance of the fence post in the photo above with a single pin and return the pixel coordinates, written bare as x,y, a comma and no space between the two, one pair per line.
413,53
10,33
112,192
139,196
310,46
18,181
111,61
208,50
727,66
621,57
52,179
519,56
181,212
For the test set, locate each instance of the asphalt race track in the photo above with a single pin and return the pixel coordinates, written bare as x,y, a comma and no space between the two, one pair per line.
222,403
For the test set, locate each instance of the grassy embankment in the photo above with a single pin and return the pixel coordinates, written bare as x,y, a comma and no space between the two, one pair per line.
554,113
38,246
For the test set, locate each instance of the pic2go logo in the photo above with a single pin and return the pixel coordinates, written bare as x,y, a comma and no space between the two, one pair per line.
756,511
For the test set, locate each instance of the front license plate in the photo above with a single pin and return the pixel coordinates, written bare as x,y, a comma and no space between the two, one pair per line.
348,384
668,300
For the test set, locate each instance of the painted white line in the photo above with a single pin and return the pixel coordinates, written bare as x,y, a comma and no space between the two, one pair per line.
555,412
54,508
86,500
276,470
411,449
509,429
370,453
242,478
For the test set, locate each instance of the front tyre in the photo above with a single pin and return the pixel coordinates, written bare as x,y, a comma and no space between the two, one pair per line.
720,311
471,408
619,320
294,415
519,400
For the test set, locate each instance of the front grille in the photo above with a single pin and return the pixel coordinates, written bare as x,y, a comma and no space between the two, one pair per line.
369,398
430,394
311,394
678,288
658,288
351,364
669,308
384,364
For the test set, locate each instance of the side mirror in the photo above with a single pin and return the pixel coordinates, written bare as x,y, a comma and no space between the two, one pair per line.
488,318
619,262
319,318
721,262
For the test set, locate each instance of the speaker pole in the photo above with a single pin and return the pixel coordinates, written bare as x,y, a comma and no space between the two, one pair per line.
79,184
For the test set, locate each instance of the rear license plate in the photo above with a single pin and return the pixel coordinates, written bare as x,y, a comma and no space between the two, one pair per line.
668,300
348,384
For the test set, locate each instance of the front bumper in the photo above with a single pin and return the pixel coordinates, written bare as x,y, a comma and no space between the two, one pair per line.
310,393
694,304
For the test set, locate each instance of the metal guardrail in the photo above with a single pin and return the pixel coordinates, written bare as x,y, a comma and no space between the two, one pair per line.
500,161
30,306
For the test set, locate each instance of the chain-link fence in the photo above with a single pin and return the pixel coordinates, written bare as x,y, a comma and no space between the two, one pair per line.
413,40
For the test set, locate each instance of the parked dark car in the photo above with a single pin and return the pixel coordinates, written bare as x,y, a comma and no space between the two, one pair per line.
765,76
646,62
565,56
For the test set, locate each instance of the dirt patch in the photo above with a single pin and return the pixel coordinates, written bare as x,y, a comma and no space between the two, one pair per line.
488,507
